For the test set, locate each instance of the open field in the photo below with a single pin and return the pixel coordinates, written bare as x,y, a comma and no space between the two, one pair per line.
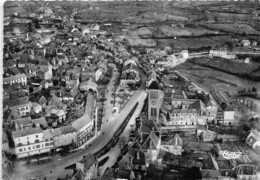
141,42
196,73
234,28
191,43
141,32
153,17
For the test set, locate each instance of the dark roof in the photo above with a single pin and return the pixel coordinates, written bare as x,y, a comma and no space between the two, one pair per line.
147,126
88,161
18,101
139,158
26,132
154,85
42,121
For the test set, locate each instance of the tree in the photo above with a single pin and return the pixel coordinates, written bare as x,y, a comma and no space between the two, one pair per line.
254,90
193,173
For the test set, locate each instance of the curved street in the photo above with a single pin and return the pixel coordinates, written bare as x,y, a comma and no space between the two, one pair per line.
55,168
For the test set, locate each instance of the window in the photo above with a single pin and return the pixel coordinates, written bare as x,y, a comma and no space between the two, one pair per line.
24,149
20,150
153,112
154,95
36,136
22,109
46,139
42,145
50,139
26,108
27,138
38,146
37,141
29,148
46,144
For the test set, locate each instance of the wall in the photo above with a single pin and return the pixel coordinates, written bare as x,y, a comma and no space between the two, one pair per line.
65,139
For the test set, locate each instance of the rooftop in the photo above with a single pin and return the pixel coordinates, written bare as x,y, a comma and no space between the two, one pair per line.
26,132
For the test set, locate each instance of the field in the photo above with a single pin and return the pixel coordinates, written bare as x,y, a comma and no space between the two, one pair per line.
188,43
137,42
234,28
209,78
141,32
153,17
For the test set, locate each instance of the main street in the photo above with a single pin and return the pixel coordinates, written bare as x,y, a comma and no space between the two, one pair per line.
56,168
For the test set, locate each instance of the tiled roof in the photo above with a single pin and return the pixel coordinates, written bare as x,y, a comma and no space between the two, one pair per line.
88,161
67,129
177,141
13,78
147,126
26,132
42,121
12,114
23,122
81,122
18,101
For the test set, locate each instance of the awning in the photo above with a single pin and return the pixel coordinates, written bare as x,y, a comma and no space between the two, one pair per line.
22,155
34,152
44,150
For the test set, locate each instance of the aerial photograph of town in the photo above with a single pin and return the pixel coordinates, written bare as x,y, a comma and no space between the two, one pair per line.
131,90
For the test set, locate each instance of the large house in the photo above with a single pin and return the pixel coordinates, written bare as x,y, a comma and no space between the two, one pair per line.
253,140
130,73
226,113
17,79
85,124
29,142
22,104
86,169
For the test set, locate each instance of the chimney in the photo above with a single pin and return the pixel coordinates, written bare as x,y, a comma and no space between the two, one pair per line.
141,137
138,156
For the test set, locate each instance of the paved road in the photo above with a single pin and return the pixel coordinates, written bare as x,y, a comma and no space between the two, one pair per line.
57,166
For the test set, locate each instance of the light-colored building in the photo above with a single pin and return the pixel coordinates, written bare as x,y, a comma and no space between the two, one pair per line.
222,54
174,146
85,124
19,78
253,140
64,136
29,142
23,105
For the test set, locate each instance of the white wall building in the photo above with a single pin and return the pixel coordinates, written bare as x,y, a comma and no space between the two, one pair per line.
19,78
28,142
221,54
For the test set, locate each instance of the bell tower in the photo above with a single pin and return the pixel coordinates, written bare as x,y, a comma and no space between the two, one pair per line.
154,101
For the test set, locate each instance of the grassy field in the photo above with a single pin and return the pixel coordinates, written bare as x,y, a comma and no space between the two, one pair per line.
192,43
234,28
196,73
135,42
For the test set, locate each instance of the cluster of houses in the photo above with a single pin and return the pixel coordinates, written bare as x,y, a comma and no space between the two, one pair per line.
52,68
162,137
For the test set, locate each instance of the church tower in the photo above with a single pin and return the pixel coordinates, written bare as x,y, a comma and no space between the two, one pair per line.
155,97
